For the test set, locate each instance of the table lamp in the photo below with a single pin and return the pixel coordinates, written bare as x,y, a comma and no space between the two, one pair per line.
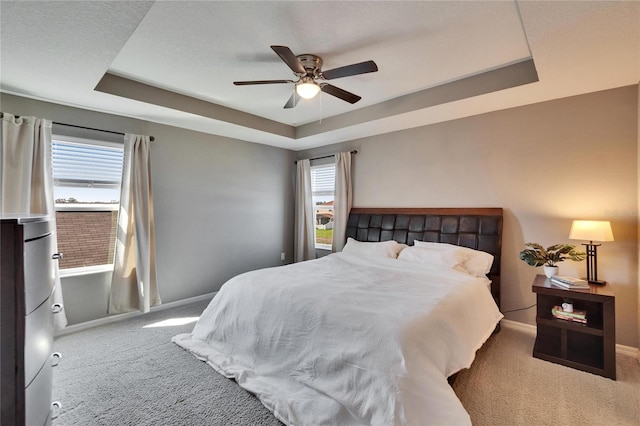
591,230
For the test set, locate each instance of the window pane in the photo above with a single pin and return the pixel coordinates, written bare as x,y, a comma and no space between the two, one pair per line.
86,190
324,223
323,180
87,238
83,164
86,173
322,187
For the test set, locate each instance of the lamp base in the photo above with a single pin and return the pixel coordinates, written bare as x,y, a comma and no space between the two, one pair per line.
597,282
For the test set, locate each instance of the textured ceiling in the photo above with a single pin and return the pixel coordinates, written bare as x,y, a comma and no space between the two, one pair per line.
416,45
174,62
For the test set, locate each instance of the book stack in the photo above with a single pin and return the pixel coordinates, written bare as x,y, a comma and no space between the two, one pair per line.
576,315
570,282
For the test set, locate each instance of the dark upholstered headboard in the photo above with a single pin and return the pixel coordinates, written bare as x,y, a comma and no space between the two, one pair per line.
476,228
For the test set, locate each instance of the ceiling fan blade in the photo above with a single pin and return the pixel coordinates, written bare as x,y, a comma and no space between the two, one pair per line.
340,93
246,83
289,58
293,101
354,69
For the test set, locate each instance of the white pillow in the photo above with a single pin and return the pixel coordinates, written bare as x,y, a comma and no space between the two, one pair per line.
478,263
388,249
452,259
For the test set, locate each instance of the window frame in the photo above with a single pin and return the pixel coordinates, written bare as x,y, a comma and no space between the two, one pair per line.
317,164
61,207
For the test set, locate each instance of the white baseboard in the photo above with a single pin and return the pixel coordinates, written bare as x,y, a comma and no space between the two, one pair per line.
121,317
520,326
627,350
531,329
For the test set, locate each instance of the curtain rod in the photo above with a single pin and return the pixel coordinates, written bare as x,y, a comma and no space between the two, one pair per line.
82,127
325,156
98,130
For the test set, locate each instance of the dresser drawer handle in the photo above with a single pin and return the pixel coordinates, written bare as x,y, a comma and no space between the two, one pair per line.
57,256
56,406
55,359
56,308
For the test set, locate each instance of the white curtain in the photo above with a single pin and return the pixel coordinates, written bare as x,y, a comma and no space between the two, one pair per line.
134,285
304,233
27,179
343,199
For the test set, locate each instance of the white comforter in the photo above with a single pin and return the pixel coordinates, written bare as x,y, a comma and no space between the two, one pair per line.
344,340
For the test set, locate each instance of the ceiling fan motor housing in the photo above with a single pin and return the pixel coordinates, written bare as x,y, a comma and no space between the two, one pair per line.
311,63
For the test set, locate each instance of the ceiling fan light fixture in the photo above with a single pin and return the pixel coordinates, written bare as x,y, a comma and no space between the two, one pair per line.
307,88
307,68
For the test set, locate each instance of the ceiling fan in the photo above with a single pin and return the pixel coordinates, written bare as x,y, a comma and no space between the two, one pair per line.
308,69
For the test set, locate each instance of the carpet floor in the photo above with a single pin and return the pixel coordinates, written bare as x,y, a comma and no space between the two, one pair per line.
129,373
507,386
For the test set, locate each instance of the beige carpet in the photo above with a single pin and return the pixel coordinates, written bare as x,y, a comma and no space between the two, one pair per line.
507,386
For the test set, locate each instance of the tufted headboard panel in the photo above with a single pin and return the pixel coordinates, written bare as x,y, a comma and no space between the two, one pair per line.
476,228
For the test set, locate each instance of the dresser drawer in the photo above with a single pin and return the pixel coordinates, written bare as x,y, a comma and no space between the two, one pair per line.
38,341
38,272
36,228
38,397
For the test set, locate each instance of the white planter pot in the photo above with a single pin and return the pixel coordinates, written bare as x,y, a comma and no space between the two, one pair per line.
550,271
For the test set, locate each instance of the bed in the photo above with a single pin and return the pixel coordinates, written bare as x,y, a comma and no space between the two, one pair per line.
368,336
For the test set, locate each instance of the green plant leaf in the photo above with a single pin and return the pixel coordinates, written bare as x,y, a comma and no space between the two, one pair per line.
536,255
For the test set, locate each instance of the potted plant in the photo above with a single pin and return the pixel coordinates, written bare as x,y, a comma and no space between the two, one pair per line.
536,255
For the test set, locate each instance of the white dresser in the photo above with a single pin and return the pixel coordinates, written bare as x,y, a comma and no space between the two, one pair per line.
26,357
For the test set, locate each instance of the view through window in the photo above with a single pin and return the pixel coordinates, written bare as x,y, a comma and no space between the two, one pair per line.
323,178
87,176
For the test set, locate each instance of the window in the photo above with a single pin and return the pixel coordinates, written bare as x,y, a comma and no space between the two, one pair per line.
86,178
323,178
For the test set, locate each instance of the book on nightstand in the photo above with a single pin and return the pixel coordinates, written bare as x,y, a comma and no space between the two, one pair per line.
570,282
576,315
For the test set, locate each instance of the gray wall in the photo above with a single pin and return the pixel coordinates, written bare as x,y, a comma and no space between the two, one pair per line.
545,164
222,207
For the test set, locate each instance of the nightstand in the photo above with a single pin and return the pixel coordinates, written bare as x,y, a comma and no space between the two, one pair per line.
588,347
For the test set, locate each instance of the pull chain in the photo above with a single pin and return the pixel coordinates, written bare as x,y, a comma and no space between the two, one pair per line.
294,105
320,107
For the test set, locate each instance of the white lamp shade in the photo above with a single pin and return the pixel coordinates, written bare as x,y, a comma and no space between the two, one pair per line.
307,90
591,230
